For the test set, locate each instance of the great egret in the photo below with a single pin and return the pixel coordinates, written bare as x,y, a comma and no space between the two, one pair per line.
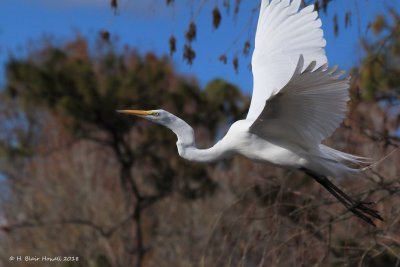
296,103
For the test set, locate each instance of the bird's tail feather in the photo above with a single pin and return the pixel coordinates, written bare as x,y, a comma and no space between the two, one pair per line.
363,163
336,163
343,157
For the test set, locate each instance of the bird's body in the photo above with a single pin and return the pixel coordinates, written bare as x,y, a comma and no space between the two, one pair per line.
258,149
239,140
297,102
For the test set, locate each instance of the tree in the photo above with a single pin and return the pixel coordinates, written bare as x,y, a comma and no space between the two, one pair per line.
72,88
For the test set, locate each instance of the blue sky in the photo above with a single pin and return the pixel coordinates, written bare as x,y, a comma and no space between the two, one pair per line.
147,26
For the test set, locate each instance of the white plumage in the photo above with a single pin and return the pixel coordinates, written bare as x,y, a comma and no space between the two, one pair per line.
283,35
297,102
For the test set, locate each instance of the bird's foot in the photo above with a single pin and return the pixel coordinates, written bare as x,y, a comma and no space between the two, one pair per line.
361,209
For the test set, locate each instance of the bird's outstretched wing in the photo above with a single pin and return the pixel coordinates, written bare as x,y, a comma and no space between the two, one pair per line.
283,34
306,110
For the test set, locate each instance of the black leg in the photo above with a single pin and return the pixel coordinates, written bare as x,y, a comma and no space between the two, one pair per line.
360,209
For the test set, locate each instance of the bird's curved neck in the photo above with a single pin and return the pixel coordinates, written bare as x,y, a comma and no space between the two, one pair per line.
187,147
193,153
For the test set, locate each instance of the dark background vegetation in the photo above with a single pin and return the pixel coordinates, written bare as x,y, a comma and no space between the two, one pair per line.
80,180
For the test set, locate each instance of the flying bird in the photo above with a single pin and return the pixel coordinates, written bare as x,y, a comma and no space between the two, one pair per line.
297,102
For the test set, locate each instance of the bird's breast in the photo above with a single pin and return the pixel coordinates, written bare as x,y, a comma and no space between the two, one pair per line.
258,149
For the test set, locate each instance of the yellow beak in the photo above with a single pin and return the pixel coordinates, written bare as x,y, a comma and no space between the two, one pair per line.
135,112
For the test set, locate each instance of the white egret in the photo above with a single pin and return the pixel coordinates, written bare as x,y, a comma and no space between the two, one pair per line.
296,103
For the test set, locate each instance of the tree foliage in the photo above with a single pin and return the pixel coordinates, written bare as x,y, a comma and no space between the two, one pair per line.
80,90
380,73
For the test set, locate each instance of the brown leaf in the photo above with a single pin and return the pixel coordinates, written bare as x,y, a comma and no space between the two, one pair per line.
105,35
246,48
172,45
317,6
216,17
235,63
191,33
188,54
114,4
335,25
325,6
237,7
223,58
347,19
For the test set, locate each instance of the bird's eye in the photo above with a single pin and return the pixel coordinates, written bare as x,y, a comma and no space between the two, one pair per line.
156,114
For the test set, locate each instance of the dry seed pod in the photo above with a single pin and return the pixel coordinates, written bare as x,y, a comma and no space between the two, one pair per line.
105,35
172,45
191,33
114,4
235,63
216,14
246,48
223,58
188,54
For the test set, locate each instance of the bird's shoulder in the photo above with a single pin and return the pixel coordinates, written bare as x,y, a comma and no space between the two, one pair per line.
238,135
240,127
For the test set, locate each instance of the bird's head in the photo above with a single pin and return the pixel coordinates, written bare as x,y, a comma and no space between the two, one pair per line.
157,116
178,126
